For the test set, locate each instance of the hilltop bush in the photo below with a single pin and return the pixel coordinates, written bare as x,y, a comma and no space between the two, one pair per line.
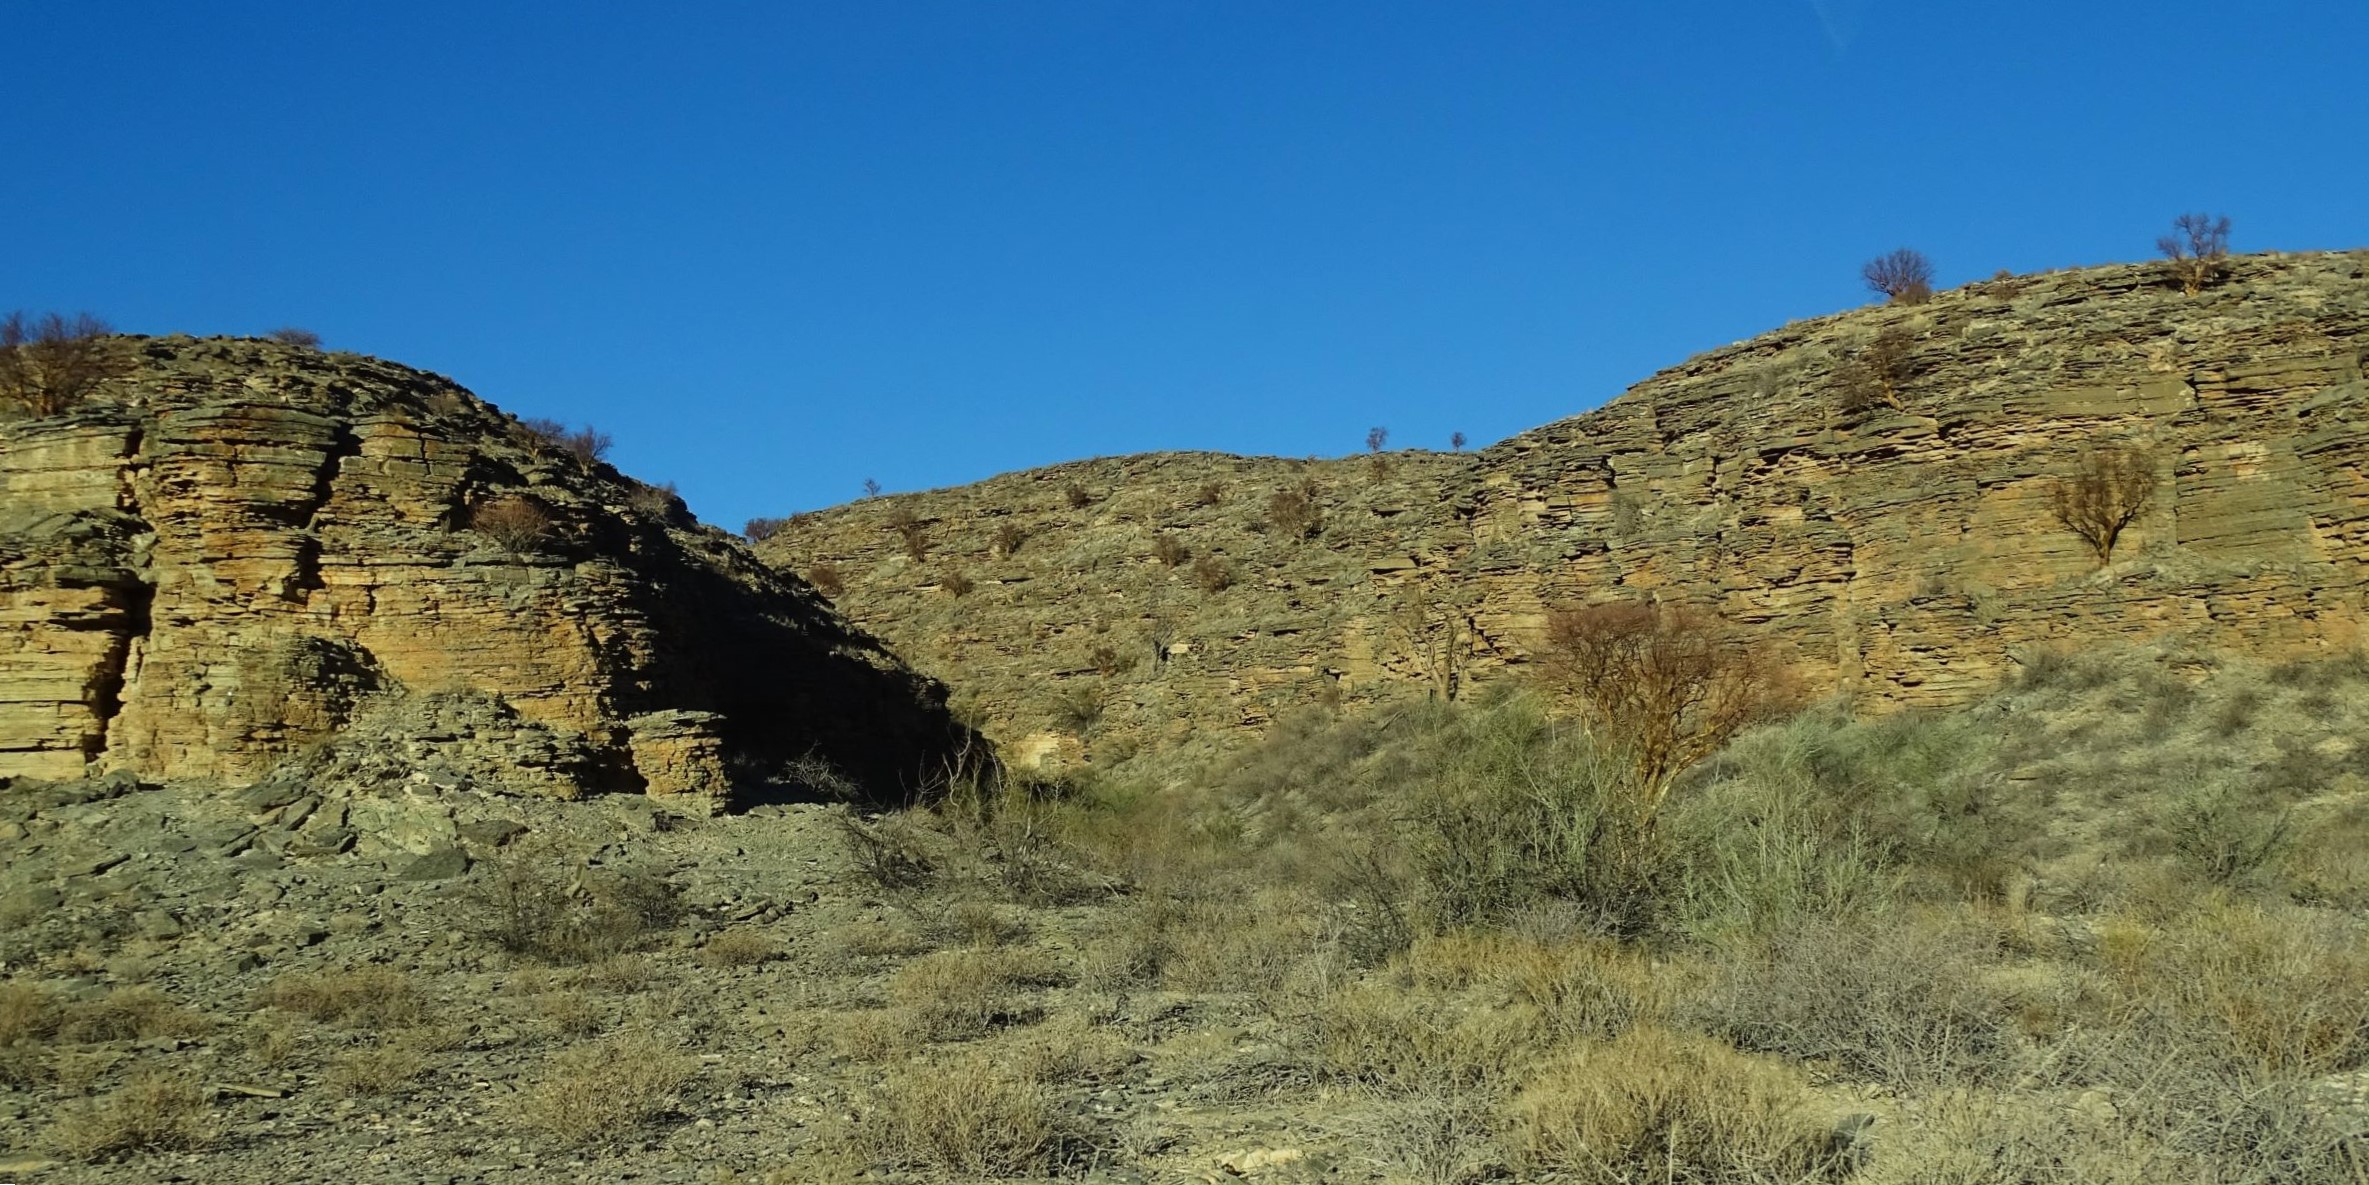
2197,250
758,530
51,363
290,335
1902,276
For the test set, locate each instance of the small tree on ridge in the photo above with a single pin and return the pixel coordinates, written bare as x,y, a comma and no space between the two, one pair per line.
1902,276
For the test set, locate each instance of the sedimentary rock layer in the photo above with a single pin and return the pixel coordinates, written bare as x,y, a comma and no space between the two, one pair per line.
238,546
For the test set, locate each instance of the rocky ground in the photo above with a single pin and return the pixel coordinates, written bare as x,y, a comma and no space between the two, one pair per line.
324,980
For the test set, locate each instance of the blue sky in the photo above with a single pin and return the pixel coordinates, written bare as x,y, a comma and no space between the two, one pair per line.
776,249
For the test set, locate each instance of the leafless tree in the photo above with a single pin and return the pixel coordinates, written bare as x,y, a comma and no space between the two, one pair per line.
1665,686
2198,249
290,335
2106,492
1902,277
51,363
1455,442
1435,631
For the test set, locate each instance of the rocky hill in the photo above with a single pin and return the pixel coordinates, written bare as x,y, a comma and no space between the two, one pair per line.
238,549
1869,492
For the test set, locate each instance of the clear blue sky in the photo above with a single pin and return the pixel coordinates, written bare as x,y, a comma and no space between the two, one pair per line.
778,248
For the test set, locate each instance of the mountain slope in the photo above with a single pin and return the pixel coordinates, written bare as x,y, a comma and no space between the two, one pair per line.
1869,492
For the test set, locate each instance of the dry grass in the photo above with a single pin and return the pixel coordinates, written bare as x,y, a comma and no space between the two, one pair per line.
1653,1105
361,997
27,1013
968,1116
150,1113
960,994
376,1070
739,946
602,1093
570,1014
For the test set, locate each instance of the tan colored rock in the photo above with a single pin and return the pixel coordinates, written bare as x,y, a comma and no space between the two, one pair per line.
680,756
234,550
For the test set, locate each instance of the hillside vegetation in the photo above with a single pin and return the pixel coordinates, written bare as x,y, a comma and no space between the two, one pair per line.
2110,924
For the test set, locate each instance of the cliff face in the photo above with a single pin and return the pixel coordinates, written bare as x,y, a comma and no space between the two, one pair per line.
1869,492
238,546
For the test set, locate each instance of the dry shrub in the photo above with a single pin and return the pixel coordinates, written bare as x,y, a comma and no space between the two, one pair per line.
1880,999
1210,493
23,1065
28,1012
376,1070
2279,991
965,1116
598,913
517,522
291,335
364,997
957,584
874,939
1008,538
2197,250
1066,1049
601,1093
619,974
1295,511
1169,550
908,528
1902,277
758,530
1585,988
50,363
587,444
1251,943
2329,861
2105,493
739,946
1381,1036
152,1112
1076,496
827,579
981,924
959,994
1877,376
1969,1138
571,1014
893,852
126,1014
1664,686
1213,574
1652,1105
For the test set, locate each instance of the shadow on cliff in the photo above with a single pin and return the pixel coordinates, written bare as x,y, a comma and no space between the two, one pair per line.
798,685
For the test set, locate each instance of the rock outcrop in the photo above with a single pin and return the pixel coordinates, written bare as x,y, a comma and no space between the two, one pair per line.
1868,492
238,548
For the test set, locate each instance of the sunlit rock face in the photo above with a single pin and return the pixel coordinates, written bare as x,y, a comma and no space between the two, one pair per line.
237,548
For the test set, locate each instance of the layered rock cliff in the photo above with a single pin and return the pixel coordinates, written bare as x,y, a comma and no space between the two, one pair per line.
237,547
1868,492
